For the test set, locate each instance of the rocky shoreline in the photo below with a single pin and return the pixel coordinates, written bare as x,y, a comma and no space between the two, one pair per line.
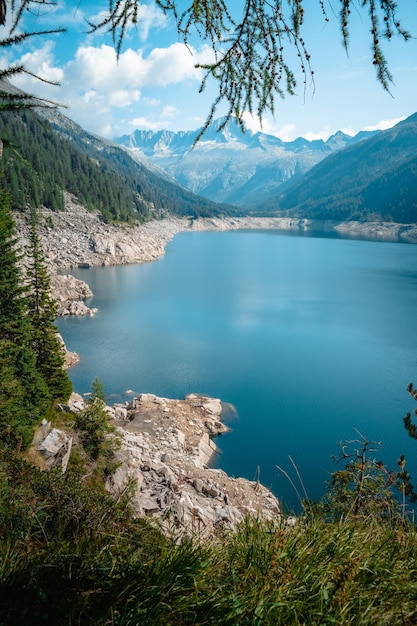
166,443
78,238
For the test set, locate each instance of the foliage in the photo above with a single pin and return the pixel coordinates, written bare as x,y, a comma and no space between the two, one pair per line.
65,544
49,166
24,394
251,44
410,427
363,489
103,177
254,46
11,14
81,557
97,435
43,312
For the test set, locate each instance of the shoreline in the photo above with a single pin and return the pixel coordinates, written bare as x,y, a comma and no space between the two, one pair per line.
169,470
76,238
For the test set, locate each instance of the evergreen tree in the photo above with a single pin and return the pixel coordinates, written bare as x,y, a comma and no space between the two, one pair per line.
24,395
410,426
43,312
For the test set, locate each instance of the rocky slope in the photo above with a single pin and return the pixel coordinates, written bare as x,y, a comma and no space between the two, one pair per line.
166,445
78,238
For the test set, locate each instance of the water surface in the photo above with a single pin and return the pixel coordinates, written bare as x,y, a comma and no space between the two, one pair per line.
309,338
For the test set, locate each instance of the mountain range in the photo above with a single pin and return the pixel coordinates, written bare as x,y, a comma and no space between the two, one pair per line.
372,176
230,165
375,179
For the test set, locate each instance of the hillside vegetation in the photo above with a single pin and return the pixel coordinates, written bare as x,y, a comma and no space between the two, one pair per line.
372,180
70,554
103,177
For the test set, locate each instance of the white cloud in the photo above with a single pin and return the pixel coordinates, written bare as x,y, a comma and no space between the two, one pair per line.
169,112
94,83
385,124
146,123
123,98
99,68
150,17
323,134
286,132
153,102
41,63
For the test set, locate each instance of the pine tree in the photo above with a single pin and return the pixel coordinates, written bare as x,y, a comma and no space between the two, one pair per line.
410,426
24,396
43,312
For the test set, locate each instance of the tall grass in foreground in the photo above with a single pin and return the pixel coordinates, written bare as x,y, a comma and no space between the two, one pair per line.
71,555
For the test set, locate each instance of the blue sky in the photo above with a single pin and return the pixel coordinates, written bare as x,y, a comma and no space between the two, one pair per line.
155,84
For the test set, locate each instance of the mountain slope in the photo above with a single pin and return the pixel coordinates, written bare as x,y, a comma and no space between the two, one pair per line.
374,179
228,165
57,155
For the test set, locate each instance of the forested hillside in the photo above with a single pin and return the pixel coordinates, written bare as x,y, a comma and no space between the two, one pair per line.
38,165
375,179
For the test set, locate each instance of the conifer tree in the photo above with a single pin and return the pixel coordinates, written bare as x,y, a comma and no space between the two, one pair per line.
410,426
24,396
43,312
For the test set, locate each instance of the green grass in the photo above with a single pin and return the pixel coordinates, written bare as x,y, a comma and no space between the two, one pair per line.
69,554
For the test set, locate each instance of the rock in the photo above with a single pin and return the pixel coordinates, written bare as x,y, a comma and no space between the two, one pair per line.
76,402
166,454
120,412
198,485
79,308
42,432
211,490
55,449
149,506
211,405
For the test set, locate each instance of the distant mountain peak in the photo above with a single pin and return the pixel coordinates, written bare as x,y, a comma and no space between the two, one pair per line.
231,164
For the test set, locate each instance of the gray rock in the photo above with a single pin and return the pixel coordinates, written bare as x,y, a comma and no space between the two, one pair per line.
56,449
149,506
198,485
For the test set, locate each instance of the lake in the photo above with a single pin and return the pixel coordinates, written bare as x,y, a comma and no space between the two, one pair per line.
308,338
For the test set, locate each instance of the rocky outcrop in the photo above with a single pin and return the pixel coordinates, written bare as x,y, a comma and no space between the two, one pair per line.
79,238
167,446
54,446
69,293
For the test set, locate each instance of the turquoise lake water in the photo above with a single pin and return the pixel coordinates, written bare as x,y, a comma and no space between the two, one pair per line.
309,338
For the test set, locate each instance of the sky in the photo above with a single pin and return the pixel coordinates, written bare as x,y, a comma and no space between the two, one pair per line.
154,85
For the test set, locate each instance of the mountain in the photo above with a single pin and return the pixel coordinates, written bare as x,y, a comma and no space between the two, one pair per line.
50,154
229,165
376,178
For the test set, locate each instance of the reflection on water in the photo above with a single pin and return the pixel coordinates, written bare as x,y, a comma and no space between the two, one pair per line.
306,337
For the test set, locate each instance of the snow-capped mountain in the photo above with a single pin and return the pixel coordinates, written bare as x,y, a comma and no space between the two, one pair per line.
228,165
